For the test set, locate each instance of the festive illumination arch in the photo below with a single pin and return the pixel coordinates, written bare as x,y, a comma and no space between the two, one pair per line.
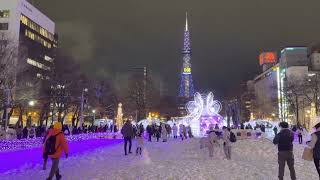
203,113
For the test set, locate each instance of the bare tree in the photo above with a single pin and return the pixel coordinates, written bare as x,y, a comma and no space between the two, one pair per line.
11,52
293,91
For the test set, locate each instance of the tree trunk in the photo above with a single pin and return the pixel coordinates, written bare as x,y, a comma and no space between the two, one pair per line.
21,111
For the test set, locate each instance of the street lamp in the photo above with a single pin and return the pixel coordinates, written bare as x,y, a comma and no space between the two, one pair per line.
31,103
94,115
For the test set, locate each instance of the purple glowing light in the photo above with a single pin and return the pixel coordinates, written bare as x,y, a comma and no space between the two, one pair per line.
22,144
31,157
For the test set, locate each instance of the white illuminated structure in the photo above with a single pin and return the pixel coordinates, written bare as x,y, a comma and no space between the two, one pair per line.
203,113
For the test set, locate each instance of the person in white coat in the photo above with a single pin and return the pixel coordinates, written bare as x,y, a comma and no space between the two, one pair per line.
164,133
212,139
175,131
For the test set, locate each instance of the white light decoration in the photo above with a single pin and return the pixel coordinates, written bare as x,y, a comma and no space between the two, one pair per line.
203,113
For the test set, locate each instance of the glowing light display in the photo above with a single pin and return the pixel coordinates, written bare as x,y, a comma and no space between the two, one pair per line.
21,144
187,70
203,113
267,58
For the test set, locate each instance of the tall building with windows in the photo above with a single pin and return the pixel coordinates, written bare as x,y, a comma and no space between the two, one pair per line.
32,33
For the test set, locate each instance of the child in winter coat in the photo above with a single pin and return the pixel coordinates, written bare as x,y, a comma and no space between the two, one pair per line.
139,144
175,131
212,139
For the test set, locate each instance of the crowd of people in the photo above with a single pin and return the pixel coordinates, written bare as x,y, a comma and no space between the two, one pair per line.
55,142
162,131
215,137
40,131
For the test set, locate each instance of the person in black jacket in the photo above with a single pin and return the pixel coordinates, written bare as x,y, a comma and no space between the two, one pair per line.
128,133
284,141
150,132
25,132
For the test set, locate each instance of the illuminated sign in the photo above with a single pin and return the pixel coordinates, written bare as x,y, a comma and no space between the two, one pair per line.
267,58
187,70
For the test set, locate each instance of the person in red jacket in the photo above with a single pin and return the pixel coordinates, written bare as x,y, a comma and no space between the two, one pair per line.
60,145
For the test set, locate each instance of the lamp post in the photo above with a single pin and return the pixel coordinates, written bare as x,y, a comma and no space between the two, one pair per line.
31,103
94,115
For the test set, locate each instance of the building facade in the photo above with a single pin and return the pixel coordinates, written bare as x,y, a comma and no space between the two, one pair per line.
32,36
32,33
287,87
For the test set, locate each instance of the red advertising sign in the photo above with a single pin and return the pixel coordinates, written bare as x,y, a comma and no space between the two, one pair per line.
267,58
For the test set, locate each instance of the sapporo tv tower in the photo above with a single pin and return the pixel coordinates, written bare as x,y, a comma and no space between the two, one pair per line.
186,91
186,84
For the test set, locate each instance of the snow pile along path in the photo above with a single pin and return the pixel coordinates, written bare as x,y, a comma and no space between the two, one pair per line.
251,160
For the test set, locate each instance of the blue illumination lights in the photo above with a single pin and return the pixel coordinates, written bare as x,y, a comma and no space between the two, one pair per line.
186,83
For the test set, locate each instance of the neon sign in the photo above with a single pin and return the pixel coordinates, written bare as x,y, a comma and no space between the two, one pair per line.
267,58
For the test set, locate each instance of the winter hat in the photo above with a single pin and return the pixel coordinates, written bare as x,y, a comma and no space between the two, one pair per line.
57,125
283,124
317,126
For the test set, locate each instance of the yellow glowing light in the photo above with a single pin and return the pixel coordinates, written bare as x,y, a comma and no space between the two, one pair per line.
187,70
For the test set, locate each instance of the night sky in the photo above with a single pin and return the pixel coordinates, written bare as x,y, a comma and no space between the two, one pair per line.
109,36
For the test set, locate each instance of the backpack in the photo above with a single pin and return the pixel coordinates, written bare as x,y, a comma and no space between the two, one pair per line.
50,146
233,137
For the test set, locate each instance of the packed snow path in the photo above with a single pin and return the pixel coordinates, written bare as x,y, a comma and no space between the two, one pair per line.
252,160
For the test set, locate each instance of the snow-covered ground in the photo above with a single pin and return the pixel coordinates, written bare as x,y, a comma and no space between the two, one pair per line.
252,160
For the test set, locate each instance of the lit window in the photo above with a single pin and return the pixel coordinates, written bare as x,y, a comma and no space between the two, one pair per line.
37,38
37,64
45,33
4,13
47,58
4,26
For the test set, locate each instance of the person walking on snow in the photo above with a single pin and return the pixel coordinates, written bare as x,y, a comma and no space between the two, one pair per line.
169,130
164,132
300,131
315,145
212,138
150,132
139,144
190,132
226,142
284,141
175,131
56,140
184,131
127,132
181,131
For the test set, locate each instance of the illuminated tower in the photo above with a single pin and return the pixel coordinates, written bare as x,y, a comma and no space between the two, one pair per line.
186,84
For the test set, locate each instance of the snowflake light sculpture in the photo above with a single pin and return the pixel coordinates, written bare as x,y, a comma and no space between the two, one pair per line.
203,113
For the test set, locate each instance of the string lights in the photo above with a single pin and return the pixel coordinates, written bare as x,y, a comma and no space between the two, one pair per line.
21,144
